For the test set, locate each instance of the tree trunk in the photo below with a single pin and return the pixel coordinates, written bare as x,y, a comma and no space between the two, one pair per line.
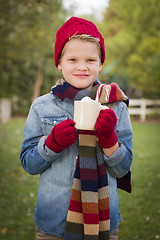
38,81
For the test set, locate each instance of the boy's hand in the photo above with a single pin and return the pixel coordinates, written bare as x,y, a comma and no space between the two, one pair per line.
105,127
62,136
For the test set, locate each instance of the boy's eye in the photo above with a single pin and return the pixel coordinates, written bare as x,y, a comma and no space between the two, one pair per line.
72,59
91,60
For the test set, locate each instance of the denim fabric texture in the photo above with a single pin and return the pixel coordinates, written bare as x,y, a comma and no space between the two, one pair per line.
57,169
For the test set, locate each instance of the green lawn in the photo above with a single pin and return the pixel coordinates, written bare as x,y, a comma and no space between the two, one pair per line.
140,210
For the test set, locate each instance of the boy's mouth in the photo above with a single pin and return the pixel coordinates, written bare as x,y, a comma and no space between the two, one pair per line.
83,75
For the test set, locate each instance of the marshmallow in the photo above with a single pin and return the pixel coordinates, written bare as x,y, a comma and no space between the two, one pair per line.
87,99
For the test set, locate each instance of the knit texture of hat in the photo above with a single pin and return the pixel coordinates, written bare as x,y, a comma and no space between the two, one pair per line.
76,26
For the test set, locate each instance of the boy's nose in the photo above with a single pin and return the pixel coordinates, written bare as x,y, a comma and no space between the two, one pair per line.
81,66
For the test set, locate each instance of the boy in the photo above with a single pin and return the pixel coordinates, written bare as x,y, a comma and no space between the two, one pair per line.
51,147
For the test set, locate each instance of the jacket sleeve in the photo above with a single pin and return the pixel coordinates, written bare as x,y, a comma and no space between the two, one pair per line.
35,156
120,162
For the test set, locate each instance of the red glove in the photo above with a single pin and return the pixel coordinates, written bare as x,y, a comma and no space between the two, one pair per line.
62,136
105,127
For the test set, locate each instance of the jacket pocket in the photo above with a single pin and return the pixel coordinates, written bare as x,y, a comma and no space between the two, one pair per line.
49,122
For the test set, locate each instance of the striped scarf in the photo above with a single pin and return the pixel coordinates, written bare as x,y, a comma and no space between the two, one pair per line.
89,214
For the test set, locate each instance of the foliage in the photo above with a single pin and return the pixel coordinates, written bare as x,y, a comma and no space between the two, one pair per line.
28,30
140,210
131,31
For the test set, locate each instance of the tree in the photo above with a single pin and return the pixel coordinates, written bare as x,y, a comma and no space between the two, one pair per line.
28,30
131,30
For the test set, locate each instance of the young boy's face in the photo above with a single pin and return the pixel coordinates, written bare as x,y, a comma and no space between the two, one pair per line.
80,63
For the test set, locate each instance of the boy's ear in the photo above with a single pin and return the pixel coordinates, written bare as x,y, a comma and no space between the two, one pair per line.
100,67
60,67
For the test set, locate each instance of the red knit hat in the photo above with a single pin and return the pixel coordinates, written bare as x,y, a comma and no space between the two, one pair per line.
76,26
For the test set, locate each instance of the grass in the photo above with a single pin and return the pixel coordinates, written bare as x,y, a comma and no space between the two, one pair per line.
18,190
141,209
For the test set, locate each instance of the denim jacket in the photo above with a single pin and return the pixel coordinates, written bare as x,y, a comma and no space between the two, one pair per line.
57,169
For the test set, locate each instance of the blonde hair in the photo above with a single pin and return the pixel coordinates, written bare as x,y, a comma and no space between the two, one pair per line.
85,38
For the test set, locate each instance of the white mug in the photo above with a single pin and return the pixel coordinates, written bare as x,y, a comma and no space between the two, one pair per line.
86,113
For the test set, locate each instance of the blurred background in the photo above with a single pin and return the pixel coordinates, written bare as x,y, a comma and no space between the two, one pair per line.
27,35
131,30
